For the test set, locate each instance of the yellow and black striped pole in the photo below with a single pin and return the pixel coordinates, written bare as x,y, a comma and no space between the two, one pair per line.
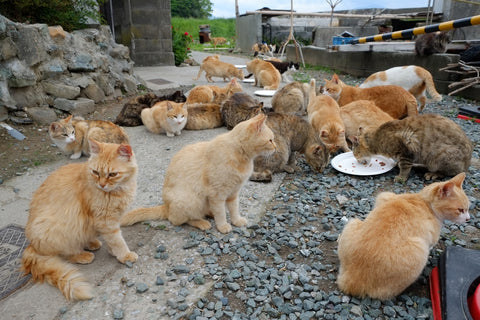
448,25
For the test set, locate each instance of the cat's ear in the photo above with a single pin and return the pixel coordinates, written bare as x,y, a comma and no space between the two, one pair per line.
335,79
324,133
169,106
233,82
185,106
260,121
125,151
95,146
458,179
54,126
69,118
319,149
353,140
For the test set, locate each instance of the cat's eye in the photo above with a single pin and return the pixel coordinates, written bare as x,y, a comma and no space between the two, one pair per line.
113,174
461,210
96,173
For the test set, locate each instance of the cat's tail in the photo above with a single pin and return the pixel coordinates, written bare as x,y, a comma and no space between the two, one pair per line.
430,85
199,73
142,214
58,273
313,90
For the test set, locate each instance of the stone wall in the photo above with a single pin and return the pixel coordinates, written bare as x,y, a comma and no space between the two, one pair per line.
45,71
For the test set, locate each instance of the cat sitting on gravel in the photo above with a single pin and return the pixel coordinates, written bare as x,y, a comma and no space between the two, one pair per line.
384,254
240,107
213,94
165,117
292,98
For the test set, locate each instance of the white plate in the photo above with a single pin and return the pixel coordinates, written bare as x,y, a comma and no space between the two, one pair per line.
249,80
265,93
240,66
346,163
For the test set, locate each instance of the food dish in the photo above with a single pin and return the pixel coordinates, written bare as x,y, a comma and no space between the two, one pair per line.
265,93
249,80
346,163
240,66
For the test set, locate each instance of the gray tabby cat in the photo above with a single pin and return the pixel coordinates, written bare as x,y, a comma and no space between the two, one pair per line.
239,107
430,43
427,140
292,98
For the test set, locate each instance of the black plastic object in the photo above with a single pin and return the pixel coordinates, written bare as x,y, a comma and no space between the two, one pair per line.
471,111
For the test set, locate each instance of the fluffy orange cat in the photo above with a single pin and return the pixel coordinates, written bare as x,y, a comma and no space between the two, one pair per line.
362,114
213,67
266,75
165,116
394,100
213,94
384,254
73,206
205,178
324,115
203,116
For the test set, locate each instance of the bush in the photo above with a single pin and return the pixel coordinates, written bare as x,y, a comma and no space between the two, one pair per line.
181,45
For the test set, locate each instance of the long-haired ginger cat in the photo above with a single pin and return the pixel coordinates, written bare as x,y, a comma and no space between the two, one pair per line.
205,178
213,67
324,115
73,133
364,115
73,207
266,75
165,116
213,94
384,254
394,100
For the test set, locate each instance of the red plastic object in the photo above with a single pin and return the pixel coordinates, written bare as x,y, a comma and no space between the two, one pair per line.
463,117
435,294
474,304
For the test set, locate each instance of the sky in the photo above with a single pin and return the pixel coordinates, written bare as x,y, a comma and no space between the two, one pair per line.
226,8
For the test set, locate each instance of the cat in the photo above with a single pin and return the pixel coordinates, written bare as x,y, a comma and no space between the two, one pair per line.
416,80
204,178
263,48
73,206
362,114
430,43
213,67
285,68
218,40
203,116
292,98
292,134
427,140
165,116
240,107
213,94
73,133
266,75
324,115
394,100
129,116
384,254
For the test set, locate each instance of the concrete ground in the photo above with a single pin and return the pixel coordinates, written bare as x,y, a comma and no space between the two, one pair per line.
116,284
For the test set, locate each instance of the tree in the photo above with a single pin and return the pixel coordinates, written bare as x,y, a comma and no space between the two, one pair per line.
332,4
191,8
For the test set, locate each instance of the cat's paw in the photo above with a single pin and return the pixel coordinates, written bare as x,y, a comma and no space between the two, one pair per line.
94,245
129,257
400,179
82,258
431,176
76,155
178,133
170,134
225,228
239,222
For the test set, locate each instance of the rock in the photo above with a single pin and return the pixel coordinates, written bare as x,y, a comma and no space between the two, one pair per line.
80,106
56,32
8,49
42,115
5,98
20,75
60,90
92,91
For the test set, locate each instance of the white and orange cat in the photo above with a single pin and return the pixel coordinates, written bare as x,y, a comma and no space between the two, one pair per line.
266,75
73,207
205,178
213,67
213,94
362,114
324,115
165,116
416,80
72,134
394,100
384,254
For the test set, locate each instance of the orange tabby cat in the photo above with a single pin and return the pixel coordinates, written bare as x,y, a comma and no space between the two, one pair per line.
213,67
266,75
394,100
384,254
73,206
203,116
72,133
210,93
205,178
324,115
362,114
165,116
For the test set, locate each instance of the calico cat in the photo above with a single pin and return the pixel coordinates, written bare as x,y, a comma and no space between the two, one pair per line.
292,134
324,115
240,107
165,116
206,177
362,114
73,206
213,94
394,100
414,79
213,67
427,140
73,133
292,98
203,116
430,43
263,48
384,254
266,75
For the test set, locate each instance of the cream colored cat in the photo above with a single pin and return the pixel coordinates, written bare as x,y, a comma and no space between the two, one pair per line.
362,114
384,254
324,115
203,116
73,133
416,80
292,98
165,116
394,100
213,94
206,177
213,67
73,207
266,75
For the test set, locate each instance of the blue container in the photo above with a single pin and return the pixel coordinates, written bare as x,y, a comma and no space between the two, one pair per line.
342,40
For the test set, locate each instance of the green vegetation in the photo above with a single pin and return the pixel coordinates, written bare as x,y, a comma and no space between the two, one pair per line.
191,8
